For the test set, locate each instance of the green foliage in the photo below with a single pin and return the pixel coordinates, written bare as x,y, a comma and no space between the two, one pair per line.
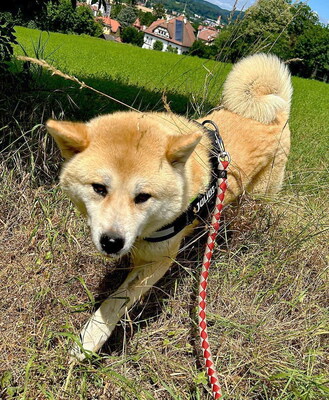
158,45
289,31
130,67
200,49
171,49
116,9
85,22
262,28
313,48
146,18
200,7
303,19
28,9
267,16
62,17
7,40
308,41
133,36
159,11
127,16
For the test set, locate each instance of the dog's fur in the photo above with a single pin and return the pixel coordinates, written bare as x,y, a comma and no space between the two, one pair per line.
166,157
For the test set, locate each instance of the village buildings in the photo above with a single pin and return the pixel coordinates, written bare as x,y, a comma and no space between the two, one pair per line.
175,32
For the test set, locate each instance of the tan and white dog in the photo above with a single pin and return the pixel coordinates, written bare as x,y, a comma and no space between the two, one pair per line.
132,173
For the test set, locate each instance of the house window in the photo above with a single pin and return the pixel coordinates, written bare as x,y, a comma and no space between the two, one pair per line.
161,32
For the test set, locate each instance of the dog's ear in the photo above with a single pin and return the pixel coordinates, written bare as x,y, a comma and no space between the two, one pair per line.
71,137
181,147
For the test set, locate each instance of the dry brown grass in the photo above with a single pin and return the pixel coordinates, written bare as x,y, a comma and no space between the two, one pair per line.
268,291
268,298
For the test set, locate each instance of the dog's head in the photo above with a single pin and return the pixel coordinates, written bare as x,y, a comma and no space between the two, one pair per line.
127,173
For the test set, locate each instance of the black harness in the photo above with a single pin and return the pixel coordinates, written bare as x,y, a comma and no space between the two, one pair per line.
202,205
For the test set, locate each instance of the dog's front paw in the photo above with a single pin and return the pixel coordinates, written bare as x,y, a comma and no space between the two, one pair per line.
92,337
77,353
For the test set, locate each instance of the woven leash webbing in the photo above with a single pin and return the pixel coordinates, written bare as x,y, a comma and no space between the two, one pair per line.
215,224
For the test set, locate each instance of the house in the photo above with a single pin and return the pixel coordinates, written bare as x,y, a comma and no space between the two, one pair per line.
137,24
207,34
175,32
105,12
110,26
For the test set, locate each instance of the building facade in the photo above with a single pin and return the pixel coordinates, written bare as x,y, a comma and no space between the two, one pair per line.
176,33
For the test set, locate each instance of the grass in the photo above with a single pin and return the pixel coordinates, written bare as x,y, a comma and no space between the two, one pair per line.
139,77
90,58
268,292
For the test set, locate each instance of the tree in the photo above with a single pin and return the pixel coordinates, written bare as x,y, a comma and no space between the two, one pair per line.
28,8
146,18
24,11
159,10
313,48
86,24
116,9
62,17
276,26
263,28
133,36
158,45
303,19
126,16
198,49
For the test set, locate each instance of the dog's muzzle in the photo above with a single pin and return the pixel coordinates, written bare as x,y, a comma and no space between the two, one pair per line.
111,244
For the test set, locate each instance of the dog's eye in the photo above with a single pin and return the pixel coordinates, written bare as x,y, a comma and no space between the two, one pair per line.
142,198
99,189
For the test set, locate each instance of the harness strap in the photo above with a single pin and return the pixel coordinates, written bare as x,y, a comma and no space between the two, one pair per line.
203,204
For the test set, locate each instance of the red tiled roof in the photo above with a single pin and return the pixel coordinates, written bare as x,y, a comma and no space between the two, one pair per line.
112,23
208,35
137,23
211,28
170,26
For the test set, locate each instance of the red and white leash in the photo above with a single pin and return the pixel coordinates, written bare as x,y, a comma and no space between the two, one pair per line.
213,231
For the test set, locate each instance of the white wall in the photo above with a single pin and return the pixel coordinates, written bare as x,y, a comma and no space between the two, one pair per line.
149,41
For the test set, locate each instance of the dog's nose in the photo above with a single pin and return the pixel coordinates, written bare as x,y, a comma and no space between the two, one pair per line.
112,244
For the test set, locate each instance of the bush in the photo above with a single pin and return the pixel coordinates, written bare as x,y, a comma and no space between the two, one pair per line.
133,36
171,49
158,45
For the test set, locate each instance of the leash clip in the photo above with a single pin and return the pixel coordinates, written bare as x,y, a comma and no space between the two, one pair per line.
215,131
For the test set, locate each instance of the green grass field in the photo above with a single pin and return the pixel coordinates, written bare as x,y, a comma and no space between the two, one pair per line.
138,77
268,291
90,58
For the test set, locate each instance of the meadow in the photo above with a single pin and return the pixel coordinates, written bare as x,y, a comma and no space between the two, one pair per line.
268,289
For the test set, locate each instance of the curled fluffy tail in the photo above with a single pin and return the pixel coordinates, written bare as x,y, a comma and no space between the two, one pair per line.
258,87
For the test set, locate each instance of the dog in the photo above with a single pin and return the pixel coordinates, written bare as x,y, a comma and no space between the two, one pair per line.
132,173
